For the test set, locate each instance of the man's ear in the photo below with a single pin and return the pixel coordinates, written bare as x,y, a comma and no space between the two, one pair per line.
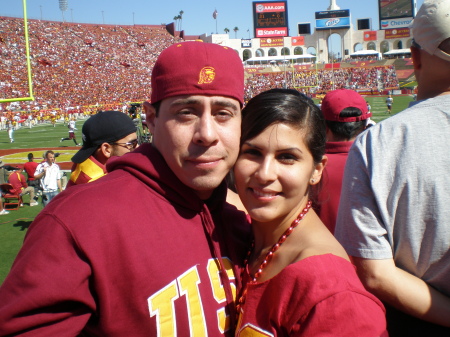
105,150
150,115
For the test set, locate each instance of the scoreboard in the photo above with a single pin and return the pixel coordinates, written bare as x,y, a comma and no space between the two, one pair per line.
270,19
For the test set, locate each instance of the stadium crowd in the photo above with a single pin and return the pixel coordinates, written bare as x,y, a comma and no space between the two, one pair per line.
323,80
92,65
85,64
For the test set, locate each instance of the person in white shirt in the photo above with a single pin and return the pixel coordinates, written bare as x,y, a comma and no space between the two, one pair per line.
50,176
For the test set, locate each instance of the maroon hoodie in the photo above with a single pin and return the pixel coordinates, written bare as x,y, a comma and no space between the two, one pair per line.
135,253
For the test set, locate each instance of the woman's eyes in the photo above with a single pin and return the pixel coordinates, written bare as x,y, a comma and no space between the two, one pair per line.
251,152
287,158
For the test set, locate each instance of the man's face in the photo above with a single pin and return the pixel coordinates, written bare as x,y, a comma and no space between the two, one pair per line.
50,158
120,147
198,136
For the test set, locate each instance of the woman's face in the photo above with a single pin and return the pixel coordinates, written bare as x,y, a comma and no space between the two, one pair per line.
273,173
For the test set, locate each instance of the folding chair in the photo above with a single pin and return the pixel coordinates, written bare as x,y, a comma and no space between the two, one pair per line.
11,199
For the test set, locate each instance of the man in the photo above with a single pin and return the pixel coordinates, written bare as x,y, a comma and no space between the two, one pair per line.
346,115
19,184
50,177
394,216
11,127
72,129
105,135
4,174
151,248
389,101
30,167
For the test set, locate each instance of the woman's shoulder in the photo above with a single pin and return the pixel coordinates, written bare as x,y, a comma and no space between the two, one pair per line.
316,240
318,277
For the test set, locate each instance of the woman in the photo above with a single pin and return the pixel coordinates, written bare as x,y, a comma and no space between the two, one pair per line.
298,280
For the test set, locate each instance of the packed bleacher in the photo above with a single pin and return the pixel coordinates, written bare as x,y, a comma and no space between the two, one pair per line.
79,64
85,66
376,78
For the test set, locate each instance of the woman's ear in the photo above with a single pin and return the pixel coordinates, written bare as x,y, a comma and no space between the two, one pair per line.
318,170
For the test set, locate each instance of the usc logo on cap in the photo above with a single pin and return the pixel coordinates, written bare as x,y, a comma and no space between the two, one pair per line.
207,75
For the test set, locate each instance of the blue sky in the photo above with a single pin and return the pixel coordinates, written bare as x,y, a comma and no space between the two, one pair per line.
197,17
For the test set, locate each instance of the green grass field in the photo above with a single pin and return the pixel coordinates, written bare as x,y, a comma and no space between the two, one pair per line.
13,226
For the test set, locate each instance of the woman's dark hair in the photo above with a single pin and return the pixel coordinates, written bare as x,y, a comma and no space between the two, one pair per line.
345,131
289,107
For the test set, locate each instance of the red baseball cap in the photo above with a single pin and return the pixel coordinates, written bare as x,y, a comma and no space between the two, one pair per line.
198,68
337,100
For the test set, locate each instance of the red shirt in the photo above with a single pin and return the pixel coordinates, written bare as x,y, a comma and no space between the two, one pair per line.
329,196
317,296
30,168
18,181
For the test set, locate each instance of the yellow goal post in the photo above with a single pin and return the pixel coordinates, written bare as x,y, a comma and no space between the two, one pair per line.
27,50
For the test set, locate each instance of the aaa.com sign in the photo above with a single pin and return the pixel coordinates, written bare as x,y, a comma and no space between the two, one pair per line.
270,7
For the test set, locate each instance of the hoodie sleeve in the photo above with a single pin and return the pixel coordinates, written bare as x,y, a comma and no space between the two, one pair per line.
53,282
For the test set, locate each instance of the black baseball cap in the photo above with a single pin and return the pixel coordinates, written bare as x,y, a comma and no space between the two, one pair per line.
103,127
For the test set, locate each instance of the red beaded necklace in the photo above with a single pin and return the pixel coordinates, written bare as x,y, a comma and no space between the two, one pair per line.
269,255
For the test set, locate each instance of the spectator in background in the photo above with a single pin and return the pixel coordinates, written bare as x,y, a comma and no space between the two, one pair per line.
19,184
394,214
30,168
10,126
50,177
346,116
105,135
389,101
4,175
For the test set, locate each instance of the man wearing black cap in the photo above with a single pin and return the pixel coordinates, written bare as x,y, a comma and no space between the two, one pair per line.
105,135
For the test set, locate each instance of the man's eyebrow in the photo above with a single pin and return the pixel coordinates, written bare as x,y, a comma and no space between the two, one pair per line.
192,101
185,101
226,104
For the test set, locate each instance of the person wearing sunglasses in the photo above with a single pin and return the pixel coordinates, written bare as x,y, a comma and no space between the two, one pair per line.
106,134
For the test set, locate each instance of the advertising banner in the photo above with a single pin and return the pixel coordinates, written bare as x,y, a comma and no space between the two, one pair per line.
395,23
333,19
370,35
246,43
298,41
272,42
271,32
396,33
